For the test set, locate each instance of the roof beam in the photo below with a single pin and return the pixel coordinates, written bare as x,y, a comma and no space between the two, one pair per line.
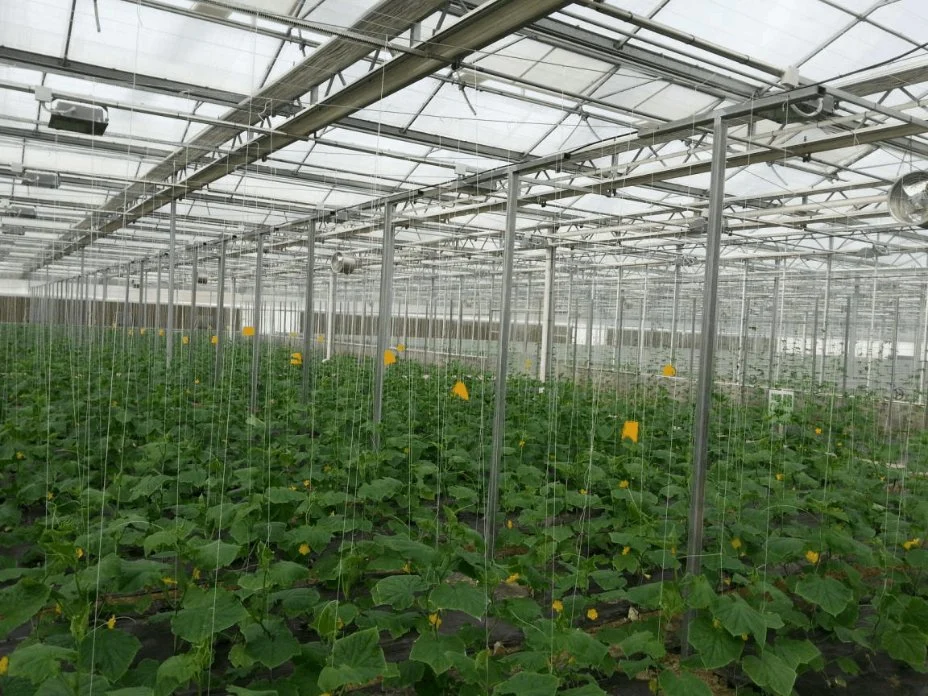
481,27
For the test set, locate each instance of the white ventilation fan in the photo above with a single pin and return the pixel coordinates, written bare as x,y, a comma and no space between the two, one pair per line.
908,199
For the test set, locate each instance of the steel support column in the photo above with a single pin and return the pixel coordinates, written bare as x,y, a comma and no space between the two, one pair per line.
308,314
169,329
220,311
694,545
256,321
330,318
384,320
502,365
826,310
547,317
194,283
674,312
774,320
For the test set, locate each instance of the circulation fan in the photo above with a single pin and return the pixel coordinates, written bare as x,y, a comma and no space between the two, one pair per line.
343,263
908,199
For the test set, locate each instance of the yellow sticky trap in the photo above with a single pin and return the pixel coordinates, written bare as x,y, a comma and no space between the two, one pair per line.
296,361
141,332
296,356
400,347
320,339
161,332
248,331
214,340
630,431
185,340
131,331
669,370
389,357
528,364
460,390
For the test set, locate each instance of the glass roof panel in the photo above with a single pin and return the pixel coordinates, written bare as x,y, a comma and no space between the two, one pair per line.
499,121
861,46
152,42
339,13
560,68
401,107
39,26
780,33
908,17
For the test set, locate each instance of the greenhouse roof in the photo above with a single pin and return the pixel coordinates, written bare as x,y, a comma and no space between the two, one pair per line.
285,116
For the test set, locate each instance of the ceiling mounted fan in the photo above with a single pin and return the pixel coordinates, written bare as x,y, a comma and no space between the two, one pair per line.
908,199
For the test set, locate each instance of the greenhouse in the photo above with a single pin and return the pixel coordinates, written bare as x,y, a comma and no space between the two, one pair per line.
503,347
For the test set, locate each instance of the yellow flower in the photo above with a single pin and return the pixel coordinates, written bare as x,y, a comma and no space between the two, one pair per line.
49,495
304,549
307,483
623,483
161,332
167,580
58,609
320,339
512,579
196,574
292,488
736,543
583,491
912,544
400,347
20,456
508,524
185,340
196,381
460,390
326,469
630,431
558,606
407,568
716,623
79,553
141,332
111,622
673,550
435,620
592,614
779,477
214,340
521,444
626,550
744,636
4,665
812,556
818,431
